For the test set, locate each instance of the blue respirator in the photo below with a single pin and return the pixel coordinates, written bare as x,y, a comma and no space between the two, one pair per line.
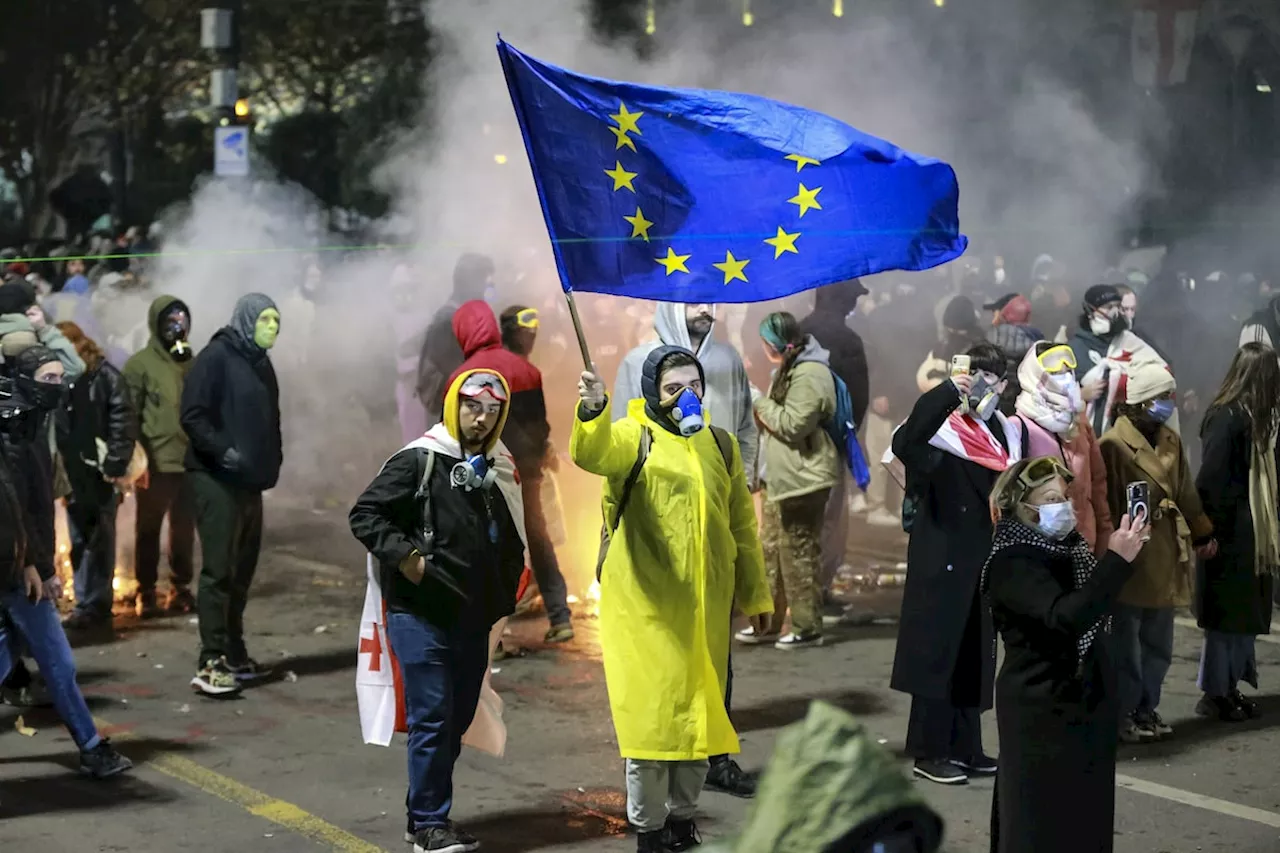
1161,410
687,413
473,473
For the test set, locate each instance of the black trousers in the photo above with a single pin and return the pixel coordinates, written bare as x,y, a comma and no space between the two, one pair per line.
937,730
167,494
230,523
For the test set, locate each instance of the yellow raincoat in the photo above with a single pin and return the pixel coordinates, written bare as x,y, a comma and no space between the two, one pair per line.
687,546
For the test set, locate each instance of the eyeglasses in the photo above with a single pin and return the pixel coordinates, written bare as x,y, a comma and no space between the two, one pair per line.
1057,359
528,318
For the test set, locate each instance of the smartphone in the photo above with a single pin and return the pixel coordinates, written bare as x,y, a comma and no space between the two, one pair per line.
960,367
1139,500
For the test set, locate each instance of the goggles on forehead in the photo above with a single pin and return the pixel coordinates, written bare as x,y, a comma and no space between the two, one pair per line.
483,386
528,318
1041,471
1057,359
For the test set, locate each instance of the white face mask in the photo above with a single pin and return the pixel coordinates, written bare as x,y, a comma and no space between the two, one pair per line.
1057,520
1099,325
999,275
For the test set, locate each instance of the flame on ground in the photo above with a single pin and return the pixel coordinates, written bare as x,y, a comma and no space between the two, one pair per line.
123,585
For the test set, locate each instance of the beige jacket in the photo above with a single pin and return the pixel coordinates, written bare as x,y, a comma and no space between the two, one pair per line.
799,456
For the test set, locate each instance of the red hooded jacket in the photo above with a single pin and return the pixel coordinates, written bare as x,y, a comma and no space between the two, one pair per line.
527,431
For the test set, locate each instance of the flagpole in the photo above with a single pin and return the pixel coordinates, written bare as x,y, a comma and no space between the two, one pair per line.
577,327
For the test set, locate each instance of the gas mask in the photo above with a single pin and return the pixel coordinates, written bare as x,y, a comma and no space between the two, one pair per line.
473,473
175,334
983,398
1102,325
687,412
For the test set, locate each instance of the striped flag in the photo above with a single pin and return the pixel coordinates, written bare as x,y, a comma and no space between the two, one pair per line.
1163,38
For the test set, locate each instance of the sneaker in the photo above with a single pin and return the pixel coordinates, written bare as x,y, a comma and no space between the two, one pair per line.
409,835
651,842
881,517
942,772
793,641
1245,704
832,613
84,620
1221,707
681,835
727,777
146,606
749,637
1154,722
103,761
443,839
561,633
983,765
215,679
1132,731
180,600
248,670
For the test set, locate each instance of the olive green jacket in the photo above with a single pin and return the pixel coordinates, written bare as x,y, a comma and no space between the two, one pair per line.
155,387
799,456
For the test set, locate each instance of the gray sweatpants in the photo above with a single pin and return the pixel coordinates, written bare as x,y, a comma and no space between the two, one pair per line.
657,790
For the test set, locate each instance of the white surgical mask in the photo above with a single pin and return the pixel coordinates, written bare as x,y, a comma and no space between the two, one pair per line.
1099,325
1057,520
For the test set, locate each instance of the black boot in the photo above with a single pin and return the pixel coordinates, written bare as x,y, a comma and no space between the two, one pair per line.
727,777
681,834
652,842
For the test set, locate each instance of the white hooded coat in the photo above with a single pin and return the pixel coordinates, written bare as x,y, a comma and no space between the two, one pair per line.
727,397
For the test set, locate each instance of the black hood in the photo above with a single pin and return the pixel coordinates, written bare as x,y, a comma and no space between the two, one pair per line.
649,384
839,298
471,275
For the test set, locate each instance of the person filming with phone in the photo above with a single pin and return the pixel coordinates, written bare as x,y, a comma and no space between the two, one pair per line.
1148,472
1056,702
953,447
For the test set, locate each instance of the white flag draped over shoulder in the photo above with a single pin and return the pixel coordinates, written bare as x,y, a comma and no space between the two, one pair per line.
1163,39
379,690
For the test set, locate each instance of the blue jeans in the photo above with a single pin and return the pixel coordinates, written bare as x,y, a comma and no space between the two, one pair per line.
1144,652
92,530
443,670
38,625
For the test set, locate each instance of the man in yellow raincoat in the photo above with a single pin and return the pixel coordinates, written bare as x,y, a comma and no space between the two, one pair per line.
685,549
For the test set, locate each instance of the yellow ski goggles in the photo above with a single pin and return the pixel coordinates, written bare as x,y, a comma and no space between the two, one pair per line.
528,318
1057,359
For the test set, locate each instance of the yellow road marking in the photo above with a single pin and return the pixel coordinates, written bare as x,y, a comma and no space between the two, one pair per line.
255,802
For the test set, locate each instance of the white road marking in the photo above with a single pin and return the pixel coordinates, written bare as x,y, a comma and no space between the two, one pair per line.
1200,801
1191,623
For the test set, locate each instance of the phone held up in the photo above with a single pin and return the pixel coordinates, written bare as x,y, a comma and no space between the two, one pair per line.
1139,501
960,367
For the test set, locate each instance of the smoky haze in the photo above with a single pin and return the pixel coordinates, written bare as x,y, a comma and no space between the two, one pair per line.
1025,146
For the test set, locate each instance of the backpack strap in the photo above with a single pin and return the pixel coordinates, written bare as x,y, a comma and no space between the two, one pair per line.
725,445
611,526
424,495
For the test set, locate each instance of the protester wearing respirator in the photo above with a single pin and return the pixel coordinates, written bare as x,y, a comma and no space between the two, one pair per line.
174,326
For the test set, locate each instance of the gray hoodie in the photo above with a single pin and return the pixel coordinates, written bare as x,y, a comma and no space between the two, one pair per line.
727,397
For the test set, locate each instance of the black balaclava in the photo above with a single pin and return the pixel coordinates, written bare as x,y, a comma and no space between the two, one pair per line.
650,391
16,297
171,333
42,395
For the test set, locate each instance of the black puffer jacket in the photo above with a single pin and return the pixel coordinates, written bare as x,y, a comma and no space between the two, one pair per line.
29,462
99,408
231,400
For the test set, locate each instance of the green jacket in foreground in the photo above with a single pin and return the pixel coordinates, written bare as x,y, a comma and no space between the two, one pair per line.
155,387
799,456
50,336
831,788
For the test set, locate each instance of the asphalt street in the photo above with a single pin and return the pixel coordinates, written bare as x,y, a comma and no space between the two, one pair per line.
283,768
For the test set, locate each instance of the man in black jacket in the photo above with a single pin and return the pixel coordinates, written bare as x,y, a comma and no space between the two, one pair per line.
828,324
441,352
231,414
444,521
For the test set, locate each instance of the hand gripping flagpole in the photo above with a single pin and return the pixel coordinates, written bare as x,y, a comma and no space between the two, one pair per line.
518,104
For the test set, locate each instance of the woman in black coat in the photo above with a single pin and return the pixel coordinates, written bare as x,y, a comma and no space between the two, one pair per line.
1056,697
945,655
1237,485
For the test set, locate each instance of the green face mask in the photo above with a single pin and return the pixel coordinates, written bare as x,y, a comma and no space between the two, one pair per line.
267,328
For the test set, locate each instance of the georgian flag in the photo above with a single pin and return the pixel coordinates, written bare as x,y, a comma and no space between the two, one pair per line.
1163,38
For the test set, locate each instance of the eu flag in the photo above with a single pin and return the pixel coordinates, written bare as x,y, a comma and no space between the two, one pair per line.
697,196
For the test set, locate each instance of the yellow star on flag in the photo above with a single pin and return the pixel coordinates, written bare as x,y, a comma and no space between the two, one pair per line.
621,177
784,242
674,262
627,121
732,268
802,161
639,225
623,139
806,199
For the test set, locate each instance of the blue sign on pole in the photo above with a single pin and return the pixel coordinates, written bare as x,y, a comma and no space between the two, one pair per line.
231,152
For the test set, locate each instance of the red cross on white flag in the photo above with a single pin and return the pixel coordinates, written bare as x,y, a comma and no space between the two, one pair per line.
1163,38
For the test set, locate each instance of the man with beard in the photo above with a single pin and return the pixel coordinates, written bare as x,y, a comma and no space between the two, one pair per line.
441,355
231,412
155,376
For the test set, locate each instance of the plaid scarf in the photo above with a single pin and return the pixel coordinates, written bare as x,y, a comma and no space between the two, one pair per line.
1010,532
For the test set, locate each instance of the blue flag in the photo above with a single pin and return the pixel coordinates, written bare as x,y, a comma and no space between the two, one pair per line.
697,196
